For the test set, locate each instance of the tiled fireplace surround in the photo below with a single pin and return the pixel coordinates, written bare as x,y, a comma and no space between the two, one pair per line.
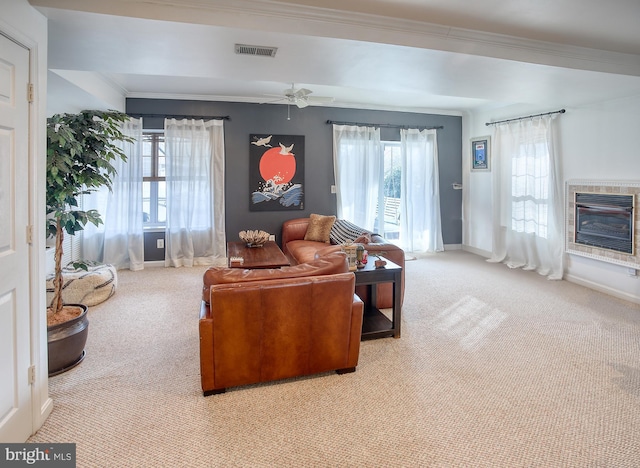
604,187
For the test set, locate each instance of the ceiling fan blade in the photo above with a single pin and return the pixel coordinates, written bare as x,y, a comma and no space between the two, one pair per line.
301,103
280,99
302,92
319,99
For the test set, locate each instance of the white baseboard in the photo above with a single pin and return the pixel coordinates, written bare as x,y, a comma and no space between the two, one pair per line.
452,247
625,296
475,250
603,289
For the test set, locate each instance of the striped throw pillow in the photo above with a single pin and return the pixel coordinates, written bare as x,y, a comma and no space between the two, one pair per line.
343,232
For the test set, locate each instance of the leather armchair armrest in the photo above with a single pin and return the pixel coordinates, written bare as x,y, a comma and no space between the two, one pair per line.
293,229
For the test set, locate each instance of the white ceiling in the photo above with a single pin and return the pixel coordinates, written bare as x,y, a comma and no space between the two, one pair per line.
418,55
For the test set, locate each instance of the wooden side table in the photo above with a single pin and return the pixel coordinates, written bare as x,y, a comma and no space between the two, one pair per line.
375,324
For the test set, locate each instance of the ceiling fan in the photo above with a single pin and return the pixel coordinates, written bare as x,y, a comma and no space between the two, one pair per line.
300,97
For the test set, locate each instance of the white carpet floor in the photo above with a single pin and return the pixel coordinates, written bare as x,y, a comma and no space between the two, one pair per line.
495,368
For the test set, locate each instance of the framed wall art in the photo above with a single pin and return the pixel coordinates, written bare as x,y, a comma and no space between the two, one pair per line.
481,153
276,172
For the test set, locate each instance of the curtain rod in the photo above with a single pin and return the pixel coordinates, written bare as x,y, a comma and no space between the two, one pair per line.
180,116
384,125
561,111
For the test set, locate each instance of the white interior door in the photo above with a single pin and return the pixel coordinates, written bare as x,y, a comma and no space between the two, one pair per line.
15,389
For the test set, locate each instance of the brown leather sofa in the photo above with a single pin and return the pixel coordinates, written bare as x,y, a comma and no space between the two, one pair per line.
300,251
270,324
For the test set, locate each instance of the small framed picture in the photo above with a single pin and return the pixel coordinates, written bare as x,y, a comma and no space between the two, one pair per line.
480,153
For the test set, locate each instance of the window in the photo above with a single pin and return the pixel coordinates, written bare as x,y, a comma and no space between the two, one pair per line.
390,187
392,174
154,185
530,189
392,169
528,197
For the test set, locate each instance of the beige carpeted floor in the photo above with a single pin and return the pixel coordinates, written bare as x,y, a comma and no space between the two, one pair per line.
495,367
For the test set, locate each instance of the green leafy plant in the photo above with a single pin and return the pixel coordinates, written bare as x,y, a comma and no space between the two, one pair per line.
81,149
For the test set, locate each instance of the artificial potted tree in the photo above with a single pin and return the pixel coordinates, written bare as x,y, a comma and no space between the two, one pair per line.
81,149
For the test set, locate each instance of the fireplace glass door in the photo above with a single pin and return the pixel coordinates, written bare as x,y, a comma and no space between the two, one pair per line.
605,221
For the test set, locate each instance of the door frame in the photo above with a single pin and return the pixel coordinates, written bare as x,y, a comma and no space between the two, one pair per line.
29,29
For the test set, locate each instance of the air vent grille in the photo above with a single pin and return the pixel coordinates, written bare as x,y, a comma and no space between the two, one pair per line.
260,51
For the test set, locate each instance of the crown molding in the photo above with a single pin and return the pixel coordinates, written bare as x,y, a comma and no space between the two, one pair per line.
324,22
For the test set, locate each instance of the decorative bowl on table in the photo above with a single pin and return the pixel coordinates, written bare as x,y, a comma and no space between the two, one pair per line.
254,238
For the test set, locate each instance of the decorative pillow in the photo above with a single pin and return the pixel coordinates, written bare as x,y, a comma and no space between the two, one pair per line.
344,232
363,239
319,228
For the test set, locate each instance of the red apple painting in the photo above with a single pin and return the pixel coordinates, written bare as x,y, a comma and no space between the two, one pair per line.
276,172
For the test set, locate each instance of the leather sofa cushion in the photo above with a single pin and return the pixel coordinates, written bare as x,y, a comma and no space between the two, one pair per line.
304,251
328,263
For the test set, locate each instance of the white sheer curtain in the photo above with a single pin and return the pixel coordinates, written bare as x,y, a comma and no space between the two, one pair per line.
358,166
420,224
119,241
528,197
195,233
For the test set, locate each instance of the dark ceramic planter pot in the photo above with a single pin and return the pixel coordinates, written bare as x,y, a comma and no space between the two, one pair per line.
66,342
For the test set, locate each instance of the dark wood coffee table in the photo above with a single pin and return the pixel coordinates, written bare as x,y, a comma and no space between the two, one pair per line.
267,256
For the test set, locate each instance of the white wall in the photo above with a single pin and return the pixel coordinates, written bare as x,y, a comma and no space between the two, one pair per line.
23,23
597,141
73,91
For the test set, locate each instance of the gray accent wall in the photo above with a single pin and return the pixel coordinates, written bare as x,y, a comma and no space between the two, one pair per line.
247,119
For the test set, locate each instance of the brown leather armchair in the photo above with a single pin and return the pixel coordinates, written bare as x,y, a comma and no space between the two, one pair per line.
258,330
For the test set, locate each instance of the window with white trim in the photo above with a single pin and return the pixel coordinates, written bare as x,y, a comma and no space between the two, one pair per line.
154,185
392,176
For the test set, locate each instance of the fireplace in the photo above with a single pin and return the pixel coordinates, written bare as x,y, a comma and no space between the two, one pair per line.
604,220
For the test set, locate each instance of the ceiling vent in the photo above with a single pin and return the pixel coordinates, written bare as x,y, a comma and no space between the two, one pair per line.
260,51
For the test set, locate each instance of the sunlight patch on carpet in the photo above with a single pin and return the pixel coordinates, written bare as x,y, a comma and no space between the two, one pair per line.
469,321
